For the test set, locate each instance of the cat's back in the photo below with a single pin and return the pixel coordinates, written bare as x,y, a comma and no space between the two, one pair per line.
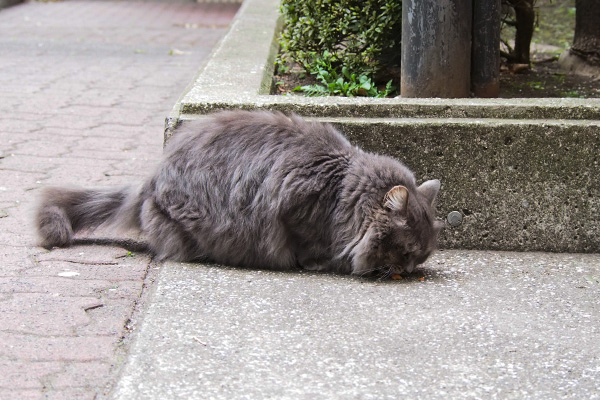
276,127
242,134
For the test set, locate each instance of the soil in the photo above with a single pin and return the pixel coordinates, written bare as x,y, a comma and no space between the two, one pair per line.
543,79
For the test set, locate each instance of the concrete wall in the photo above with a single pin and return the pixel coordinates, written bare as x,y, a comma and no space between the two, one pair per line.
519,174
517,185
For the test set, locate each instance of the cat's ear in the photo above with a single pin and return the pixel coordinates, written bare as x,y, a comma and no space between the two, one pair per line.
430,189
438,226
396,199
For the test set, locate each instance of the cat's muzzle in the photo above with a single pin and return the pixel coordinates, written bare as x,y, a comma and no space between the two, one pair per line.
392,269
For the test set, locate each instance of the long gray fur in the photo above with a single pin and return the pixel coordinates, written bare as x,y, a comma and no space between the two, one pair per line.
260,189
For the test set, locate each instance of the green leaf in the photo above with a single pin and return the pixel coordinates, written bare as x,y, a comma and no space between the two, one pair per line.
313,90
346,72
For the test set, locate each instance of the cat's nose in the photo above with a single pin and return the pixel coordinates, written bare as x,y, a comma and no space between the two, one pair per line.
409,267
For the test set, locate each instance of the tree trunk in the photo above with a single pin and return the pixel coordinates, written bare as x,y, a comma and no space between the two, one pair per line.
587,31
485,51
583,57
525,19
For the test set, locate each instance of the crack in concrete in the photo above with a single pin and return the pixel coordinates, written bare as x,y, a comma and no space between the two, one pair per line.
71,261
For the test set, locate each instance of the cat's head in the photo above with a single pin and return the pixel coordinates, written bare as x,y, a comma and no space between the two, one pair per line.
402,232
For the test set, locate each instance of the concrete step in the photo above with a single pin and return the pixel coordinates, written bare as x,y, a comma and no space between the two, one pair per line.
466,324
511,184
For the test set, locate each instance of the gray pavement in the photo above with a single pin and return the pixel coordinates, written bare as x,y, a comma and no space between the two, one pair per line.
466,325
84,91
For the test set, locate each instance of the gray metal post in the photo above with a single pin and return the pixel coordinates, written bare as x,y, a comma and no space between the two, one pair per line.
436,48
485,66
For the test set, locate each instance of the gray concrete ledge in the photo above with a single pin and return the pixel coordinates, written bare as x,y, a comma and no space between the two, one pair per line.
554,109
522,172
478,325
239,74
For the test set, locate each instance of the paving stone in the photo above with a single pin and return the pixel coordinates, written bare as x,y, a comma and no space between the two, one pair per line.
89,374
72,121
26,375
70,394
85,254
42,148
121,271
45,314
19,126
85,88
109,320
52,134
26,163
99,143
108,97
42,105
116,130
76,177
102,155
56,286
21,394
22,257
81,110
57,348
13,183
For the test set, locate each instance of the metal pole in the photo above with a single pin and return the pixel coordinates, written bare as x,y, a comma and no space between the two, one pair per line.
485,68
436,48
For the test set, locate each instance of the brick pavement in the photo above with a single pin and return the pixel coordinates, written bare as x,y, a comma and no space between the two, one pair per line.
84,90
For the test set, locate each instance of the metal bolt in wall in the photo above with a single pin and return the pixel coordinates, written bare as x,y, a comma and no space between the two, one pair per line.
455,218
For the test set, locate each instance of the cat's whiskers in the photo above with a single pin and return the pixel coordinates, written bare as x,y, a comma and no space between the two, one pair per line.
367,272
391,270
384,272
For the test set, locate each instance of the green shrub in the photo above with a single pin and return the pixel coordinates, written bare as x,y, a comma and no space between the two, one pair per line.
346,84
359,34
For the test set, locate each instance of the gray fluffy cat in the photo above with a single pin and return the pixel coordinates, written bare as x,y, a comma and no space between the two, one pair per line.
260,189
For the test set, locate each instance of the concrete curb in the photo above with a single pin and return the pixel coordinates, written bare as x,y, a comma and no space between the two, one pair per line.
520,173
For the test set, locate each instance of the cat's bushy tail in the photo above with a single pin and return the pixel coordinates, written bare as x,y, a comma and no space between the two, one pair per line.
64,212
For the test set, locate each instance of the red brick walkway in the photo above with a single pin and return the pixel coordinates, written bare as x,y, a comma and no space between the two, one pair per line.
84,90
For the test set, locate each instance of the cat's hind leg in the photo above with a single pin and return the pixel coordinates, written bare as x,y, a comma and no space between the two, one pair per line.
167,238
